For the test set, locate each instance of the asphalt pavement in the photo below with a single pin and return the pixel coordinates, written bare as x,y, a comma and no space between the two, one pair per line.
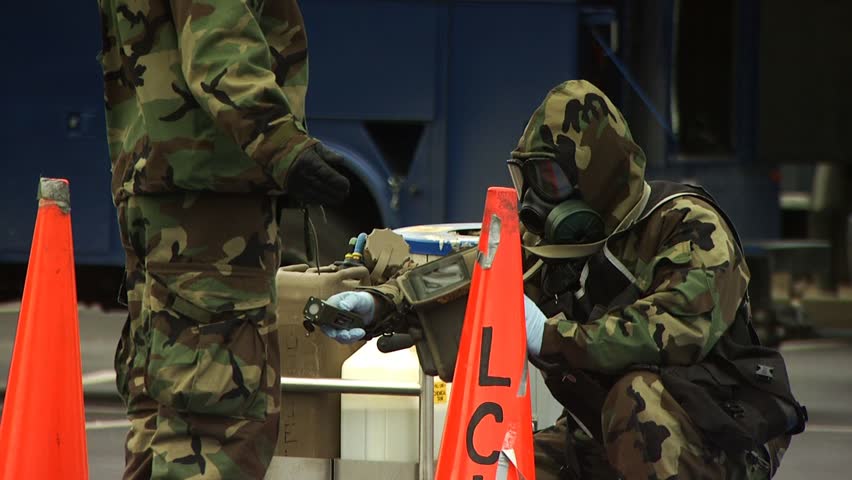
820,370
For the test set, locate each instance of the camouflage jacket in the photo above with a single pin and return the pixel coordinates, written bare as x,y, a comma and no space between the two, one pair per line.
688,274
203,94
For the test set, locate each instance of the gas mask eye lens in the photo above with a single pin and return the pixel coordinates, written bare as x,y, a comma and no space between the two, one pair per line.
517,176
548,179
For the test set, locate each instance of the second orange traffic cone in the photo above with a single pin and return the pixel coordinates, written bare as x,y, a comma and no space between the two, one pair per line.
488,434
42,431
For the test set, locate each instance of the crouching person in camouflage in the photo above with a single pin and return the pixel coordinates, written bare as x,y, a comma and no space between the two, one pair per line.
205,117
636,311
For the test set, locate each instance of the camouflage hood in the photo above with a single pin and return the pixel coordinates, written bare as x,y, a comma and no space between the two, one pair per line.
578,126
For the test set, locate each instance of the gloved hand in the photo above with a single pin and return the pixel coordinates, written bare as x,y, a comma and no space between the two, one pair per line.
361,303
535,319
315,179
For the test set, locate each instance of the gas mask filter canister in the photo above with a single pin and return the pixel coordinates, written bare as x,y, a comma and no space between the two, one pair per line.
571,221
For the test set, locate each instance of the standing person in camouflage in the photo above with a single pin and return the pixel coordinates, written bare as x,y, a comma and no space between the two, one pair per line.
636,311
205,122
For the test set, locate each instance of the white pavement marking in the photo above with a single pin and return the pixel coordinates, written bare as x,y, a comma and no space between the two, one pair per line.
107,424
828,429
805,345
104,410
10,307
98,377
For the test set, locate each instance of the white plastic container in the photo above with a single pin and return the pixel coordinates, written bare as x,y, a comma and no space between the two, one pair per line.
380,427
385,427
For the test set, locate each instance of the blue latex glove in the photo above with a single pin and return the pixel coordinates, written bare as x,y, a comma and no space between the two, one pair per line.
361,303
535,319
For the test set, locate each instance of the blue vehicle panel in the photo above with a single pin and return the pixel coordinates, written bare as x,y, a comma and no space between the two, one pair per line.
54,126
372,59
502,64
446,85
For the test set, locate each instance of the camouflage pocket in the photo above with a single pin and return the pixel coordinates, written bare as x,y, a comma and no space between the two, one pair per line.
130,357
122,363
207,355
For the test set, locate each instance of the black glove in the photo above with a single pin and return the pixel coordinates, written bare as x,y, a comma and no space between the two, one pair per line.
314,178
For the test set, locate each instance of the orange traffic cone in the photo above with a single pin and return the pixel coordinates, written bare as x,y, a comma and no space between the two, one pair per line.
488,434
42,431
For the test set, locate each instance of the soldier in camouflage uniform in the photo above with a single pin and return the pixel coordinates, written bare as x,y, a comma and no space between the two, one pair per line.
628,285
205,122
664,287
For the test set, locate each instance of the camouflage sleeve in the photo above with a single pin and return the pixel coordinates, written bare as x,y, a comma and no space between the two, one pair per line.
111,61
227,62
694,282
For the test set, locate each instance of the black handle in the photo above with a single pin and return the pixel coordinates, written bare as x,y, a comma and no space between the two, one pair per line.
392,343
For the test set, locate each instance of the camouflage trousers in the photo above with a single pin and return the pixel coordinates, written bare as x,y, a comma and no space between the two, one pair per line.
647,435
198,362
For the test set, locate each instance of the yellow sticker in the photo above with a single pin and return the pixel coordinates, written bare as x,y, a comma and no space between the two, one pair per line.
440,392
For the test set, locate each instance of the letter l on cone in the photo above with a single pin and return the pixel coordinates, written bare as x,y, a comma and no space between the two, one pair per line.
488,434
43,432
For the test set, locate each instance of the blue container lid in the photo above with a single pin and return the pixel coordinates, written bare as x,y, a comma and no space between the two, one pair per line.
440,239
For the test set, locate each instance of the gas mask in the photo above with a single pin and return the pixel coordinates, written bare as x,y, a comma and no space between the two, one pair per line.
550,204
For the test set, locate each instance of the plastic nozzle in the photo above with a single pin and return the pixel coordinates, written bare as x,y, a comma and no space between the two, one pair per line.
360,243
353,258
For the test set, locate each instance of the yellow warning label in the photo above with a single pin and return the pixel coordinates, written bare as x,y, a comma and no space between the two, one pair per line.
440,392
